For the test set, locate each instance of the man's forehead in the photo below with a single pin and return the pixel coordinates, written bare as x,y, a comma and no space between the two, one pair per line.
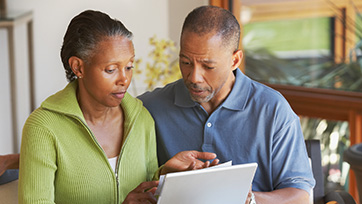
201,59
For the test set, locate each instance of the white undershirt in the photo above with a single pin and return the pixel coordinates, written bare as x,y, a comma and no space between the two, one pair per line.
113,163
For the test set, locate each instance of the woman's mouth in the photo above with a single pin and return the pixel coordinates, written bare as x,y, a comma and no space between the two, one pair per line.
119,95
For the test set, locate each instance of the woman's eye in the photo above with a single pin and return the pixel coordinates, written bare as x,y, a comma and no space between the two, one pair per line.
109,71
185,63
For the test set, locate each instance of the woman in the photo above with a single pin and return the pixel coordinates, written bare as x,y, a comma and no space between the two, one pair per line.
92,142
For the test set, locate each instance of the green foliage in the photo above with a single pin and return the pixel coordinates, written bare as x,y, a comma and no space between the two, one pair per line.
281,35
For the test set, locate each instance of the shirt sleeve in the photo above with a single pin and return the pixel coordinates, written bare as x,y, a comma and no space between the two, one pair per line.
37,166
290,163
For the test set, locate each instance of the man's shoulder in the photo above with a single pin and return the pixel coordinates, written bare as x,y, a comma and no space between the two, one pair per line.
266,93
251,92
264,98
160,94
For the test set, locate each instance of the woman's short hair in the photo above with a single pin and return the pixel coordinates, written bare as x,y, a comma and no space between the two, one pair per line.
83,34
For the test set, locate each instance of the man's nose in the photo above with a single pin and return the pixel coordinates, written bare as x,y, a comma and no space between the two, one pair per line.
196,74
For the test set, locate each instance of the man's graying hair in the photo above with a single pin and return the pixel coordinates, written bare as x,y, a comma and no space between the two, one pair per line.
208,19
84,33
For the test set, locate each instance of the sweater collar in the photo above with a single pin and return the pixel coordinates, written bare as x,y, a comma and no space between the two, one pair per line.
65,101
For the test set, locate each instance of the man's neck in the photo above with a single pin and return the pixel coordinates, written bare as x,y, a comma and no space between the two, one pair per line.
220,96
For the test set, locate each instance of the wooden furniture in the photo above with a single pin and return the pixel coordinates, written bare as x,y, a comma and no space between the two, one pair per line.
9,21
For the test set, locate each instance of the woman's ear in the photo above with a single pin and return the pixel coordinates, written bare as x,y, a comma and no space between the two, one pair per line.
237,59
76,64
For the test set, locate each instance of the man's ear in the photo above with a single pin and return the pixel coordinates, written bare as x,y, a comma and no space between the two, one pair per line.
76,64
237,59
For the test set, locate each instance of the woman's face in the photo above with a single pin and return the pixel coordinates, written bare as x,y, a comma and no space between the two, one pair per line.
108,71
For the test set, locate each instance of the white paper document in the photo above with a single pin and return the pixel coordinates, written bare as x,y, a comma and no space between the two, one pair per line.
162,177
224,183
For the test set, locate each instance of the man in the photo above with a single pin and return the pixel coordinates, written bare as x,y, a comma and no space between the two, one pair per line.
216,108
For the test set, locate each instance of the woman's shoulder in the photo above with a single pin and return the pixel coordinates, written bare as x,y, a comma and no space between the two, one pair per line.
134,107
43,118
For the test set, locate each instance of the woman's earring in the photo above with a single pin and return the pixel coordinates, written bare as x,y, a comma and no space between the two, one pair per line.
80,77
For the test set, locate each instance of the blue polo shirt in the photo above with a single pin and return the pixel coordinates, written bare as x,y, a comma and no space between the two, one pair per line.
254,124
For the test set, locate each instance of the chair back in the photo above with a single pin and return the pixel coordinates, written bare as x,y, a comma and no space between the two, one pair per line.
314,153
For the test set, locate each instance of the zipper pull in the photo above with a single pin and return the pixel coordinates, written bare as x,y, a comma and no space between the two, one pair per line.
117,180
117,189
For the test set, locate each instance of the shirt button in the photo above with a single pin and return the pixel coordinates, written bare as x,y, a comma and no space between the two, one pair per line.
209,124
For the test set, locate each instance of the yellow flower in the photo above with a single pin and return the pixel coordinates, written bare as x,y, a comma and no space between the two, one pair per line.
163,69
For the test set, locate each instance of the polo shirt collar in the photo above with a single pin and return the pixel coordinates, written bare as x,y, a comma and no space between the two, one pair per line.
235,101
240,93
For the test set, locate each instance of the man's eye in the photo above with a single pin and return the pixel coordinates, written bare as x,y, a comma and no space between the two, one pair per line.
208,67
129,67
186,63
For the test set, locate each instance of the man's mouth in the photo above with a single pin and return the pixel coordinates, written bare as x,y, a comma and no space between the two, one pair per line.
196,91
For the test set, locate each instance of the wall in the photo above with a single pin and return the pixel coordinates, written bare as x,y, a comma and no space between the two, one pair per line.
144,18
177,11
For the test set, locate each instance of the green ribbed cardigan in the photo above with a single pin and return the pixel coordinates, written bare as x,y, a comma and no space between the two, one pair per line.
61,161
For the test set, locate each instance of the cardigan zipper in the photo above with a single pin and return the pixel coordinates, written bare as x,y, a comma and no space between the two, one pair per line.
117,183
118,163
104,154
119,157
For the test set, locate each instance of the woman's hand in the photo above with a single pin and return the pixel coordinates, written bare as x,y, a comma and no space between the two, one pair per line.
143,193
189,160
249,198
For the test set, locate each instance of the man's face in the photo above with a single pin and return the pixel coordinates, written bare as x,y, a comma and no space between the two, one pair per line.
206,66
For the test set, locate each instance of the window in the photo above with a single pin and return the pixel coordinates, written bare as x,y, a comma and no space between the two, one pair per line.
304,43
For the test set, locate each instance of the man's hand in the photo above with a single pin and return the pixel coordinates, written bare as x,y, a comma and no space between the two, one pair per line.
189,160
143,193
9,161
